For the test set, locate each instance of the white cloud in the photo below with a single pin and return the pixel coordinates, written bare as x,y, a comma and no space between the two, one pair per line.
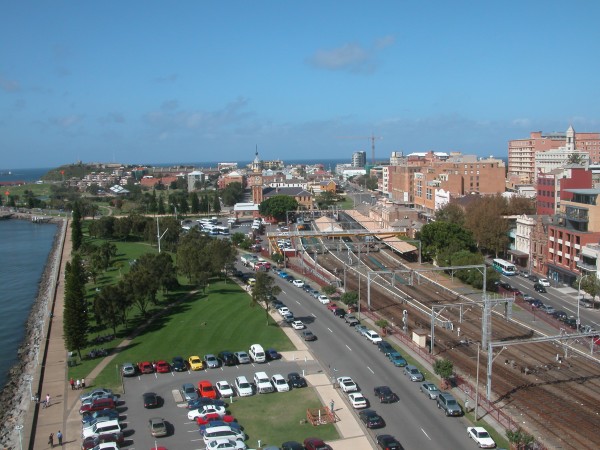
112,117
351,57
66,122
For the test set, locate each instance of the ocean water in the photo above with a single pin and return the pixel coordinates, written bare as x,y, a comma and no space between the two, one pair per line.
24,250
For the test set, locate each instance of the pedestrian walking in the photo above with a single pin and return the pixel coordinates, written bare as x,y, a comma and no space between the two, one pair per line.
77,384
331,405
59,437
72,382
51,440
83,383
47,400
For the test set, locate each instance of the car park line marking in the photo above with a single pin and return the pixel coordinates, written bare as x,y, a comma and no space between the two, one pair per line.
425,434
348,348
297,302
313,314
329,330
371,370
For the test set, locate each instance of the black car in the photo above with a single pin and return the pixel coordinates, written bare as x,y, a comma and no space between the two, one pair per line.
539,288
151,400
371,419
560,315
292,445
296,381
227,358
533,278
571,322
272,354
385,394
178,364
307,287
388,442
340,312
385,347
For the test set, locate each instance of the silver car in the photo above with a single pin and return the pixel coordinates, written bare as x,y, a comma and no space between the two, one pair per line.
242,357
128,370
96,393
211,361
188,391
413,373
430,390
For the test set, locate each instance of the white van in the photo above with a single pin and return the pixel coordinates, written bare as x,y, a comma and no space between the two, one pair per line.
108,426
223,432
262,383
257,353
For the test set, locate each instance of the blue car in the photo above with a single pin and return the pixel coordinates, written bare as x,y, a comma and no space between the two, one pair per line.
201,401
109,414
220,423
283,274
397,359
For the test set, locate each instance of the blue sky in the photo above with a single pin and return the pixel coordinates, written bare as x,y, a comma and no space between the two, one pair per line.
187,81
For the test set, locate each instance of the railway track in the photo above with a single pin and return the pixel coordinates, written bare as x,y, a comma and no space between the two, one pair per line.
557,402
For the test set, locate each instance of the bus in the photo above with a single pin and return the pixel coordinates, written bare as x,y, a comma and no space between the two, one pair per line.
504,267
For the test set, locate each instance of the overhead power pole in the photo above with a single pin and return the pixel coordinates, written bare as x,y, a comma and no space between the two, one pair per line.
371,138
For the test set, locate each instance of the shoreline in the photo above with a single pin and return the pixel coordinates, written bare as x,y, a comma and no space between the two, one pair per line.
15,399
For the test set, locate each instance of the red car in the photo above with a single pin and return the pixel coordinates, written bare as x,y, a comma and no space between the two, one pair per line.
92,441
163,367
145,367
206,389
97,405
214,416
315,444
332,306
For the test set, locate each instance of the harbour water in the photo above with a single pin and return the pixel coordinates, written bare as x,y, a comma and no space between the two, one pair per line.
24,250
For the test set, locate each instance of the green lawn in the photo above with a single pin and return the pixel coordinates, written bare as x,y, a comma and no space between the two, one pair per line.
280,417
220,320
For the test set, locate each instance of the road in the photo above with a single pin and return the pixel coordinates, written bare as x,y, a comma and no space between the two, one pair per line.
414,420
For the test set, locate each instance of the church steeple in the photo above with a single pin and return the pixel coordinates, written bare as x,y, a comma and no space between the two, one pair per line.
256,164
570,139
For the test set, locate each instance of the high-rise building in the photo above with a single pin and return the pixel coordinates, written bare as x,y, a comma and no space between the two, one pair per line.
359,159
522,152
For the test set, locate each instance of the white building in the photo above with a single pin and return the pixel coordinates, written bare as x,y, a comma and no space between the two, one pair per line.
194,177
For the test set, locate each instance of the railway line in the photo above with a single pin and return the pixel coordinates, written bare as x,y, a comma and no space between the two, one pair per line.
556,399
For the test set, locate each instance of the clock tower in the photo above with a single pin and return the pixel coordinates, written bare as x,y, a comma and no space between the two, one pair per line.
256,180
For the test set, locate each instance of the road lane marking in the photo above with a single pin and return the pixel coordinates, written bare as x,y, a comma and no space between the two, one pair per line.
313,314
425,434
371,370
329,330
348,348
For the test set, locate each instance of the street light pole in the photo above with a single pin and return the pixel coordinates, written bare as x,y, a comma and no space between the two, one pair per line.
579,299
19,428
477,385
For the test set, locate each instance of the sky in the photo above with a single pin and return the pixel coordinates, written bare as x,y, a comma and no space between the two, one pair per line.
144,82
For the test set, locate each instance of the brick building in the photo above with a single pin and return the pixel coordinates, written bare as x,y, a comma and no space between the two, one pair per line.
549,186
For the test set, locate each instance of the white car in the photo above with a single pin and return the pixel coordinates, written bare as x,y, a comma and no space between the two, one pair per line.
347,384
283,311
481,437
224,388
204,410
323,299
280,383
544,282
373,336
357,400
298,283
243,388
298,325
226,444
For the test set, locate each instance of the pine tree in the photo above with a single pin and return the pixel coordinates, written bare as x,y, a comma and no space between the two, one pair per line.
75,322
76,232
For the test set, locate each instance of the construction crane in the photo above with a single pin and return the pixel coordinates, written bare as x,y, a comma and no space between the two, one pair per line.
371,138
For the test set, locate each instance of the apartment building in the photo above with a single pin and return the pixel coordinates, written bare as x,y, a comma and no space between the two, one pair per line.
549,185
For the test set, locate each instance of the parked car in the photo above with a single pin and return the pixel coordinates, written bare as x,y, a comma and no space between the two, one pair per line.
242,387
292,445
308,335
298,283
204,410
206,389
413,373
97,404
347,384
203,401
385,347
96,393
388,442
105,414
242,357
372,336
544,282
296,381
385,394
211,361
195,363
371,419
560,315
547,309
151,400
357,400
146,367
224,389
447,403
227,358
360,329
163,367
340,312
158,427
481,437
323,299
315,444
534,278
178,364
430,390
539,288
272,354
351,320
298,325
280,384
225,444
397,359
332,306
188,392
128,370
93,441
